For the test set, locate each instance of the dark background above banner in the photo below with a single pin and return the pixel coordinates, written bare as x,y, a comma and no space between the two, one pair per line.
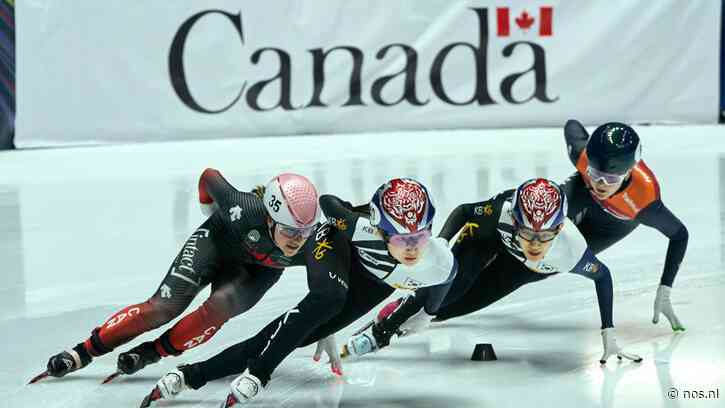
7,74
722,64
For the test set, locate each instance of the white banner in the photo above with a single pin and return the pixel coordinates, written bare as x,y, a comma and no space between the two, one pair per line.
141,70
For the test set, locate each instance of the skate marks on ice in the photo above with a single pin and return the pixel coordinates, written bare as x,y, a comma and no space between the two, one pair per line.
301,383
537,344
37,339
674,362
363,385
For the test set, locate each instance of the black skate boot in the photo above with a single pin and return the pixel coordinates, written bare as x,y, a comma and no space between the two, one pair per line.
66,362
137,358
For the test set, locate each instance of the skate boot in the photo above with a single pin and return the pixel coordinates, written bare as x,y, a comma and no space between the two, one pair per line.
377,334
134,360
244,388
68,361
137,358
168,387
360,344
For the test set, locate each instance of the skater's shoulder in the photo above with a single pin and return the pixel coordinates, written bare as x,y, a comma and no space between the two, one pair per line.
490,208
363,231
439,250
440,255
249,209
570,245
643,187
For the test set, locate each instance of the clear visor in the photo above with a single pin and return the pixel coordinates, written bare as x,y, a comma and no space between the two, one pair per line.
527,234
414,240
606,178
294,232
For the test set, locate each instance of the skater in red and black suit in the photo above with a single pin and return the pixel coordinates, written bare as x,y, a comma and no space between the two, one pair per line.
613,192
241,250
351,268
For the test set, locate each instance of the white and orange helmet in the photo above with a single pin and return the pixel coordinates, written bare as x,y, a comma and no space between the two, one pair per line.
291,201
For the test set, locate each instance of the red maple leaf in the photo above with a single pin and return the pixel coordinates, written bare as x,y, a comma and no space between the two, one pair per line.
264,258
524,21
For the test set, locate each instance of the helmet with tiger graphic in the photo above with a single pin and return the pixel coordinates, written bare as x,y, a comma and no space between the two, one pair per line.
402,208
539,205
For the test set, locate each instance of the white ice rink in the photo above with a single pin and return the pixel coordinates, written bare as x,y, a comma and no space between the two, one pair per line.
85,231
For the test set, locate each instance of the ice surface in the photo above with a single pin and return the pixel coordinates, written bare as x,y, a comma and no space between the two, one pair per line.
87,230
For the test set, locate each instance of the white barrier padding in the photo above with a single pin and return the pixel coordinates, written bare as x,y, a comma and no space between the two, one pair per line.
116,71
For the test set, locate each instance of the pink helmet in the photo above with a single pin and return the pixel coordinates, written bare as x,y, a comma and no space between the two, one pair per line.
291,200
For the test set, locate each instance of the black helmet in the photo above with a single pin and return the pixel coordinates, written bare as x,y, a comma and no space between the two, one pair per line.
614,148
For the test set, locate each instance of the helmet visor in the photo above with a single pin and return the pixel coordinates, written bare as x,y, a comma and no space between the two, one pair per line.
413,240
527,234
606,178
295,232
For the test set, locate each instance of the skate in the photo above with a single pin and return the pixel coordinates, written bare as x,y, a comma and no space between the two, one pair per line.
377,334
65,362
360,344
244,388
386,311
135,359
168,387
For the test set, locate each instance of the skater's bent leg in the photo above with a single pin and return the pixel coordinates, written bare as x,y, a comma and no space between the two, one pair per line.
328,280
229,297
364,295
269,346
232,360
471,261
188,274
501,278
132,321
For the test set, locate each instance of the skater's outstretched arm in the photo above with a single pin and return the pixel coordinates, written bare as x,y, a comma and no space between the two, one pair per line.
576,139
658,216
591,267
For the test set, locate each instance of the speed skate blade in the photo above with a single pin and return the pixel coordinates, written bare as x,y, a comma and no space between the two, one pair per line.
231,401
39,377
153,396
112,377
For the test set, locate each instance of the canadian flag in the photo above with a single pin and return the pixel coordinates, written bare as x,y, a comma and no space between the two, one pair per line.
524,21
